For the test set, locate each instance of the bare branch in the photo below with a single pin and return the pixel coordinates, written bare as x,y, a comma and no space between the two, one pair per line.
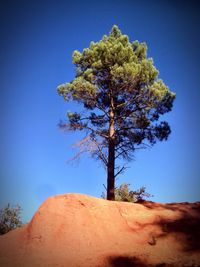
89,145
105,187
122,169
83,148
102,155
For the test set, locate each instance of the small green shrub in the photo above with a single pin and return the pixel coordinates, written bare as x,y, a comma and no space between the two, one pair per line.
123,193
9,218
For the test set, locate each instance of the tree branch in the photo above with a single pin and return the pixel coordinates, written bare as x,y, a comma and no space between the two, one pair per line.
120,171
105,187
102,155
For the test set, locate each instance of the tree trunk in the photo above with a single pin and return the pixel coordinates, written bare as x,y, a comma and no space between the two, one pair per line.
111,156
111,172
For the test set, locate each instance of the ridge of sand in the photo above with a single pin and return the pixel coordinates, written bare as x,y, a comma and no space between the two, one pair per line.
73,230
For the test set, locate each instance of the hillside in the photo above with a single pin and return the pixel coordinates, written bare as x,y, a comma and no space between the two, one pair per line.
75,230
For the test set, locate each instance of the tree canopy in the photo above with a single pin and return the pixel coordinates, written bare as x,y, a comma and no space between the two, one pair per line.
122,99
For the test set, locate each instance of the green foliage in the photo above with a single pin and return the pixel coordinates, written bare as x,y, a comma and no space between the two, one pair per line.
118,69
9,218
123,193
122,97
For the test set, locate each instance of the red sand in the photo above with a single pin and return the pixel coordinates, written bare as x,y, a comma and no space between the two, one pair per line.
75,230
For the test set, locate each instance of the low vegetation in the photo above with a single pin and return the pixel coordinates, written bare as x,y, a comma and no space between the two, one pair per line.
10,218
123,193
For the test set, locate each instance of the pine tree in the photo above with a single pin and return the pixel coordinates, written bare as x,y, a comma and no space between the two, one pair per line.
122,99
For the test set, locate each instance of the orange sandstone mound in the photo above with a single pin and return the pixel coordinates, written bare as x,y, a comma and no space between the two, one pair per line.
75,230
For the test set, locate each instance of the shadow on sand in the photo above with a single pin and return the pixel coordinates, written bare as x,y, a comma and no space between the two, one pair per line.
186,228
125,261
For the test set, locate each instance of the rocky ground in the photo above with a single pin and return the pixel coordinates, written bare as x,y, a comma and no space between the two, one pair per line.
75,230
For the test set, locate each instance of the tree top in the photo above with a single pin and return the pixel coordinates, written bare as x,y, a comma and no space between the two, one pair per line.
114,62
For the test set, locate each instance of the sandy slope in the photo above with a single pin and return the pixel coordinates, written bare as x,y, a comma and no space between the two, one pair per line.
79,230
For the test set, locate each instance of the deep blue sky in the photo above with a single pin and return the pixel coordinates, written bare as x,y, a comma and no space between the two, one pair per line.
37,40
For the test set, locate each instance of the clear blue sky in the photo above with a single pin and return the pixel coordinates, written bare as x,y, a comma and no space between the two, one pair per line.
37,40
